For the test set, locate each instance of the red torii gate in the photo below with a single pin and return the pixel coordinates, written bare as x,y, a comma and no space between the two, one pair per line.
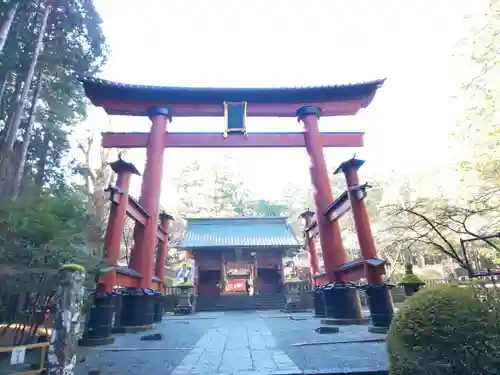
160,104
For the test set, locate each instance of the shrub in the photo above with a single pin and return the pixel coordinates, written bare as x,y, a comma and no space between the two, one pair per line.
445,329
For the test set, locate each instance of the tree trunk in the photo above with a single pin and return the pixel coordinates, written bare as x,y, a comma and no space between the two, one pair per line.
42,151
26,140
3,85
16,121
6,110
4,30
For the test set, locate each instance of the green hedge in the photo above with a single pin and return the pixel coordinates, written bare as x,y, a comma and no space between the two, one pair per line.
445,329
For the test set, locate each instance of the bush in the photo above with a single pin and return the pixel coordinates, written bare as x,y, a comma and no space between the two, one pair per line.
445,329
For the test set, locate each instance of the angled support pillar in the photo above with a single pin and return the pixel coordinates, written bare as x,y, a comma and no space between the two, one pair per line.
307,217
378,293
319,305
341,301
360,216
161,255
99,326
117,216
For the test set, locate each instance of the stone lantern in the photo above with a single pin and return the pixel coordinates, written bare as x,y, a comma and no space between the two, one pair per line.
184,305
411,282
294,288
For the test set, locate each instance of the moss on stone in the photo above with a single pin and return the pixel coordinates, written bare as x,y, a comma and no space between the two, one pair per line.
410,278
73,267
168,281
294,280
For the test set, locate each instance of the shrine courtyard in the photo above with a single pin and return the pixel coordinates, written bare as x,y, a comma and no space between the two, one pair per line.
237,255
240,342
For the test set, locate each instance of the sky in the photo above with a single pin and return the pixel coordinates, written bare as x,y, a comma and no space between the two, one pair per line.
273,43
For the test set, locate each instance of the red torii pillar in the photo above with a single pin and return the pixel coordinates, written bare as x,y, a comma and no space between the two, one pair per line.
331,241
116,221
142,258
360,217
161,255
341,301
99,325
378,293
310,246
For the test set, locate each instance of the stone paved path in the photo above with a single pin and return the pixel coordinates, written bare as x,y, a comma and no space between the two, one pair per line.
239,343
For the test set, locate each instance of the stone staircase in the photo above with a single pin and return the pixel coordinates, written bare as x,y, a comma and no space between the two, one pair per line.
228,302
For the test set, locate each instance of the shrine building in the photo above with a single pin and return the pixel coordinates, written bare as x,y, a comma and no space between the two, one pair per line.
238,255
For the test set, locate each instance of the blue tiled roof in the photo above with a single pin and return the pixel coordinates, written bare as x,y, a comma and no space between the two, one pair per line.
238,232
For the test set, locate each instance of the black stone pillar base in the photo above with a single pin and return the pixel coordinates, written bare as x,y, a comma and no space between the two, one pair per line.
379,300
345,322
379,330
319,304
294,309
342,303
117,312
159,307
137,310
327,329
99,325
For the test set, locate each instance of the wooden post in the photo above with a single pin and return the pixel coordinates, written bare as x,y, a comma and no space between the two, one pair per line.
69,302
195,278
331,241
117,216
161,256
360,216
150,194
307,216
255,273
222,273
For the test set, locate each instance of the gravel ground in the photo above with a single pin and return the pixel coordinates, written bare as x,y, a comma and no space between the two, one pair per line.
130,355
353,348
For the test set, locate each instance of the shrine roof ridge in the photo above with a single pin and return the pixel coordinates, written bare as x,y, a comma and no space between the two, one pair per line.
233,218
98,89
244,231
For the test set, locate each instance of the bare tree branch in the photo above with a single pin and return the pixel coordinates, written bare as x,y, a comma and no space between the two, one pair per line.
439,225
